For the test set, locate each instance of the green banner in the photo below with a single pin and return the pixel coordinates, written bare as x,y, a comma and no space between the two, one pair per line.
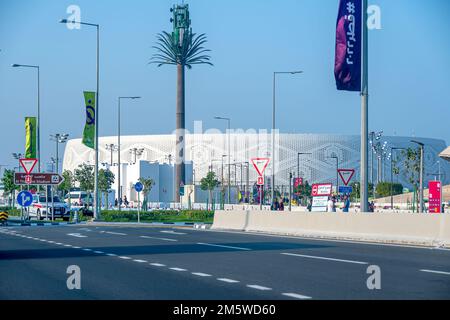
30,138
89,127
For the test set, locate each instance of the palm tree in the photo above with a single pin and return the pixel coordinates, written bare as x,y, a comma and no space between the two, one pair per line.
185,51
209,183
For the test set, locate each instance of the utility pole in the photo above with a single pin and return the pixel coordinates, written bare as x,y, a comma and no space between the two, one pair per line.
364,113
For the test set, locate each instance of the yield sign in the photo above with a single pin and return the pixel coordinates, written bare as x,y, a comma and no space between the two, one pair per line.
28,164
260,165
346,175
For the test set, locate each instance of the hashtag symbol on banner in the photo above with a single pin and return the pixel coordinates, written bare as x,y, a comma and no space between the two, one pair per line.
351,7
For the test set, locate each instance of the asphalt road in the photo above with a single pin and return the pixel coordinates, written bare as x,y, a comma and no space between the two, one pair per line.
185,263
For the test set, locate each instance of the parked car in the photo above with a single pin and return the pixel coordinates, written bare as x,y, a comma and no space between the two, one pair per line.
40,210
79,198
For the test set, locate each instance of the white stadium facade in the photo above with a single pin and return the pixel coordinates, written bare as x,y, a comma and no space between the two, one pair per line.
153,156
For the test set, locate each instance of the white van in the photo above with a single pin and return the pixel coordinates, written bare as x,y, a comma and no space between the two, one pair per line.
79,198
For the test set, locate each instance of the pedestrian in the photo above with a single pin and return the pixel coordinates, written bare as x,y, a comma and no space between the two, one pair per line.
125,201
346,204
281,206
116,202
330,204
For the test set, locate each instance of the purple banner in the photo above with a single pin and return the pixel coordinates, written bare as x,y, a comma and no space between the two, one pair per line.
347,66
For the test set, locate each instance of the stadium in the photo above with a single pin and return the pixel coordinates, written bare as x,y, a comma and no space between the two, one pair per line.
310,156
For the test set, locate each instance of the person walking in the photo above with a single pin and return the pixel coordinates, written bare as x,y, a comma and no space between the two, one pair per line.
346,204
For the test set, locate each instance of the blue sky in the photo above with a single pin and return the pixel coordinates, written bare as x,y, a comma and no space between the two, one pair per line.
409,68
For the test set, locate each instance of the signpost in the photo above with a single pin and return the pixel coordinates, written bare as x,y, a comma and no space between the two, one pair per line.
260,165
346,175
139,187
24,199
53,179
320,194
345,189
28,164
434,197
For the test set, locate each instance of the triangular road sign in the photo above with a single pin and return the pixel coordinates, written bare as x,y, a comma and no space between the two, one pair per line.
28,164
260,165
346,175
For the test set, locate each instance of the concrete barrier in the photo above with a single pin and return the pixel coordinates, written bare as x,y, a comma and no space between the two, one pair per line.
400,228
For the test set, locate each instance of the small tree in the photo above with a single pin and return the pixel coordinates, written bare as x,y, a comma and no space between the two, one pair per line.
412,167
148,184
384,189
105,180
8,185
303,191
209,183
84,175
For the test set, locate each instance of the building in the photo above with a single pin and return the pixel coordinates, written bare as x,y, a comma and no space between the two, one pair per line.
208,151
445,154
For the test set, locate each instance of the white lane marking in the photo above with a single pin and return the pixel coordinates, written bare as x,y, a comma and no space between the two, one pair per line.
125,258
435,271
257,287
67,245
296,296
201,274
78,235
86,249
323,258
76,247
51,242
171,232
227,280
157,264
140,261
222,246
111,254
177,269
99,252
116,233
164,239
58,243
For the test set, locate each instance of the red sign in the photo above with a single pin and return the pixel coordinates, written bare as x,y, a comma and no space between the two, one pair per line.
28,164
346,175
434,197
260,181
38,178
298,182
321,190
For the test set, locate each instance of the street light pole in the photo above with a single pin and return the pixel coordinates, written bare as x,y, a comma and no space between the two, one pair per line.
274,125
96,146
364,114
119,186
229,155
421,146
38,119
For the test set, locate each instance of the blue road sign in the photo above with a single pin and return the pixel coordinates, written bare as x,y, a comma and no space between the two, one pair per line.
138,187
25,198
345,189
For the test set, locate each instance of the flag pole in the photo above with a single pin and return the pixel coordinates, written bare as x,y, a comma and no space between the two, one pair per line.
364,112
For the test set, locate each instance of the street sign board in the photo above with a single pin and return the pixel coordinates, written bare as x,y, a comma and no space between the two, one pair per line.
25,198
345,189
346,175
28,164
319,204
434,197
138,187
38,178
260,165
319,190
